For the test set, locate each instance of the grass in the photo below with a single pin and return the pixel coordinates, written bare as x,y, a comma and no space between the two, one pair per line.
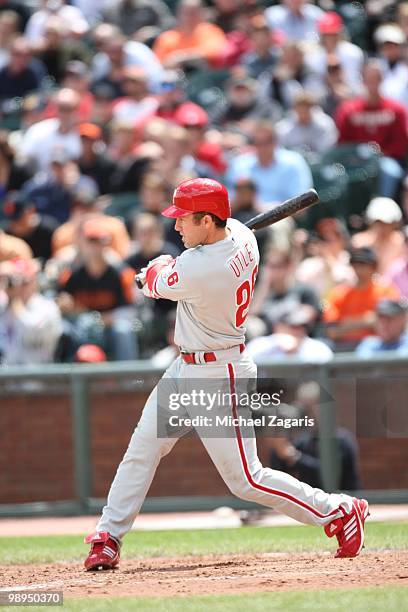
50,549
356,600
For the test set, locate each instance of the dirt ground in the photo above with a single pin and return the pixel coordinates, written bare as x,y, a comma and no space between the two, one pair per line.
226,574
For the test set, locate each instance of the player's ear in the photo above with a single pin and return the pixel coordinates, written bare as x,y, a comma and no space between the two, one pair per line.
211,219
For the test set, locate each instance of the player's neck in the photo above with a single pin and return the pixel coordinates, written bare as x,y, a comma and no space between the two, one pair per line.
219,233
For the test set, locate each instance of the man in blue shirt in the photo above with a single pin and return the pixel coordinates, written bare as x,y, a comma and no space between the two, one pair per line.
297,19
278,174
391,327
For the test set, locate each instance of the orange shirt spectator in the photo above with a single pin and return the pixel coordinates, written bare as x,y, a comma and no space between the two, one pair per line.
193,39
352,307
65,235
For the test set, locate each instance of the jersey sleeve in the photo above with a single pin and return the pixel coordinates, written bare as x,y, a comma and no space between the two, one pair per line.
178,280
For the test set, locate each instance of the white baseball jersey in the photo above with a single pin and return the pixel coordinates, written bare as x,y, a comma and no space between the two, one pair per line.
213,285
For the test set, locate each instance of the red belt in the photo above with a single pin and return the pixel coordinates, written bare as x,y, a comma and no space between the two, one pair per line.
208,357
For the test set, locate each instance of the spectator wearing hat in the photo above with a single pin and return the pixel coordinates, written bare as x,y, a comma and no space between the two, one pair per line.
350,308
297,19
391,43
85,205
391,330
374,118
172,96
208,156
104,96
30,325
264,53
278,174
23,221
59,135
94,160
242,103
333,44
307,128
97,285
291,339
383,235
193,42
137,105
398,272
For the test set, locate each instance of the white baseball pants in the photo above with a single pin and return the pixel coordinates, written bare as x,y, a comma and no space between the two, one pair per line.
235,457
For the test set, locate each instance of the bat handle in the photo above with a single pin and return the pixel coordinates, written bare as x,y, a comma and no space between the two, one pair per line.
140,280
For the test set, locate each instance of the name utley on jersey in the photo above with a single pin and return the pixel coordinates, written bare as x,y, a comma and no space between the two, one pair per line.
213,285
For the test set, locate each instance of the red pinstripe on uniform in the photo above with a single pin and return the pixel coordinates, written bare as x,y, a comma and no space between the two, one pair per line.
244,461
156,293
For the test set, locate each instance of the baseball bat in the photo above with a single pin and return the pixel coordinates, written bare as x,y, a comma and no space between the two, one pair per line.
282,211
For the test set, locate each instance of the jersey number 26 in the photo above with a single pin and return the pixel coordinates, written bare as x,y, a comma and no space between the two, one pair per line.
243,296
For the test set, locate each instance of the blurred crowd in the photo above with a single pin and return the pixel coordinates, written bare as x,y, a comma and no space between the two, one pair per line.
106,106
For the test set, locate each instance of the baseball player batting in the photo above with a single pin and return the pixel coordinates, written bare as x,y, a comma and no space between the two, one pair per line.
212,282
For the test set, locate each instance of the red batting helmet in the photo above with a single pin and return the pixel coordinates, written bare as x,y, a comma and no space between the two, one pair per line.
199,195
